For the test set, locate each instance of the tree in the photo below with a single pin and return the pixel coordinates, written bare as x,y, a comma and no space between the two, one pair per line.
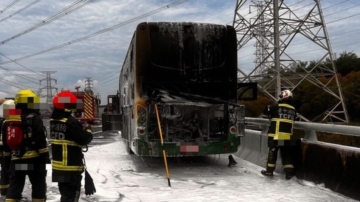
347,62
351,92
255,108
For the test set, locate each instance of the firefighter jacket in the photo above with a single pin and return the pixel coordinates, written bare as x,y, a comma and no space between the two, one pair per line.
33,147
282,116
2,154
67,140
1,136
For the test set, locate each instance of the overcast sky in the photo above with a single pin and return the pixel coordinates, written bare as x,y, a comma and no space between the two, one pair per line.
26,29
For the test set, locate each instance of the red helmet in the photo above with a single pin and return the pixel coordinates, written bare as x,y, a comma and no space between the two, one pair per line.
65,100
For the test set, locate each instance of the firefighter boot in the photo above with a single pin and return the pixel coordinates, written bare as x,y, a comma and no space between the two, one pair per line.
267,173
289,175
232,161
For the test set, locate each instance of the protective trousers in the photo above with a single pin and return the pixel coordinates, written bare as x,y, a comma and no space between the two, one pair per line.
70,190
5,177
37,179
287,153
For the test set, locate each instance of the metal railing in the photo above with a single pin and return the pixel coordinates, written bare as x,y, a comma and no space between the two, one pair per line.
309,128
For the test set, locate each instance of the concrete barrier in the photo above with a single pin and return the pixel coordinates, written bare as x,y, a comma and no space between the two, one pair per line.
335,166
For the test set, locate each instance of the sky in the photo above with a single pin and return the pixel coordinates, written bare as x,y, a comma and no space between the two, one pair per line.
119,176
37,36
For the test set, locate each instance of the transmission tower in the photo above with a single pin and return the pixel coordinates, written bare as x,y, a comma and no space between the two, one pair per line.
88,85
262,45
49,88
277,31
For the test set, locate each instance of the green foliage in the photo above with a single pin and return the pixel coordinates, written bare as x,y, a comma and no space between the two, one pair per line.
312,101
347,62
255,108
351,91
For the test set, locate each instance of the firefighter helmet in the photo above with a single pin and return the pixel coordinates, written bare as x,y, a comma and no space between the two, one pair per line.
27,98
9,110
65,100
9,103
286,95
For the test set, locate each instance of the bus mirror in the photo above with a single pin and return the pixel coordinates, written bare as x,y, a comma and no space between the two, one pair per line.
246,91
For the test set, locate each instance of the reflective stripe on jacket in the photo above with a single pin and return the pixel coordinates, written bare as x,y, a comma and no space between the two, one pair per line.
67,154
282,123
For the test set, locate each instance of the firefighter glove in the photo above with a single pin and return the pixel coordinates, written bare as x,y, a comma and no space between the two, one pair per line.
87,126
89,184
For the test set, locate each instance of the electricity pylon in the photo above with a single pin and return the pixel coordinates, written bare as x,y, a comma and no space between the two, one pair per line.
89,85
278,31
49,88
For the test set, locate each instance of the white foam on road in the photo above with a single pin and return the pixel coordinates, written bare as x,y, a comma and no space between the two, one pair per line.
127,178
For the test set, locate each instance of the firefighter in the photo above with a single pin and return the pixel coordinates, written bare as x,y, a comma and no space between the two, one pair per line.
282,116
68,137
4,174
24,137
5,157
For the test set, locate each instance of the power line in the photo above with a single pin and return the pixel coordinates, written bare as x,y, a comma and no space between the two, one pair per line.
71,8
102,83
346,32
8,6
99,32
335,4
7,92
322,8
302,42
7,82
13,84
19,75
343,18
108,77
346,9
20,64
18,11
314,50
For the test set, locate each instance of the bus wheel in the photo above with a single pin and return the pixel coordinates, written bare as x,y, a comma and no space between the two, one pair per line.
128,149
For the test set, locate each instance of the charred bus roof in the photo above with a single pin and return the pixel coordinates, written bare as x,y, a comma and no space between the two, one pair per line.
191,58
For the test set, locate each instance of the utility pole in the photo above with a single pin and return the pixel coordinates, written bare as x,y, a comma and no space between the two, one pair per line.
49,88
278,31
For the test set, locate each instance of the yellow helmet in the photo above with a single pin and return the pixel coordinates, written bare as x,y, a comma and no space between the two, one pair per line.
27,97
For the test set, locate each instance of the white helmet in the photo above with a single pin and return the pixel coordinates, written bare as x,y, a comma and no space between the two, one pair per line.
286,95
9,102
8,107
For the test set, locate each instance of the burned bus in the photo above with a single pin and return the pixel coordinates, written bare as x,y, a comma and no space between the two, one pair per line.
178,90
